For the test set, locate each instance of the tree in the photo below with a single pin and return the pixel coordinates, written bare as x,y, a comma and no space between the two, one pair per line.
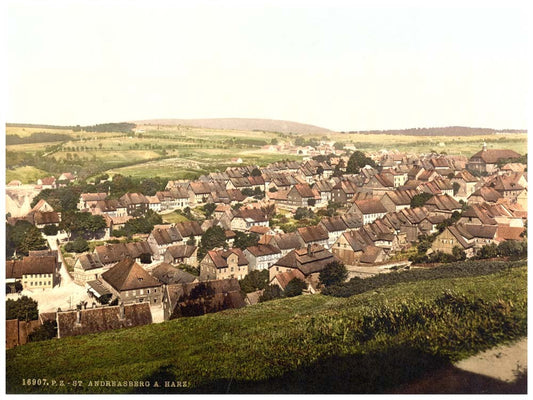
209,209
271,292
420,199
50,230
256,172
357,161
456,188
458,253
79,245
23,309
333,273
488,251
213,237
295,287
47,331
255,280
243,240
338,145
33,240
303,212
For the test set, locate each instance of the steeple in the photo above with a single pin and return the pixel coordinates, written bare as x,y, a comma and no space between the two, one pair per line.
484,146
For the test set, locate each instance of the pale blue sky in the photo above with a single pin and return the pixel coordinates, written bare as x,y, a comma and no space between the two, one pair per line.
340,66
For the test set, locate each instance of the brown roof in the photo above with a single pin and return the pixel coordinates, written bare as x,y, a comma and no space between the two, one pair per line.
188,228
290,240
492,156
31,265
96,320
50,180
93,196
220,257
112,253
313,233
481,231
200,298
181,250
263,250
167,274
128,275
305,191
370,254
89,262
134,198
285,277
506,232
443,202
371,206
43,218
334,224
487,193
308,260
168,235
253,214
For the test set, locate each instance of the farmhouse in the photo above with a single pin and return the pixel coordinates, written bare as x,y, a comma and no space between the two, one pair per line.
223,264
262,256
181,254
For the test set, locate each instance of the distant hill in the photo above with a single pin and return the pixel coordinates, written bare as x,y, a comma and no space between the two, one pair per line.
246,124
446,131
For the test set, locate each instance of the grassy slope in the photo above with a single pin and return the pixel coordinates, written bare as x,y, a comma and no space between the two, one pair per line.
25,174
280,346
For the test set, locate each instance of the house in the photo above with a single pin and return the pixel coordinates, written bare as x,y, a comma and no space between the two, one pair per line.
467,184
110,254
47,183
154,203
88,199
87,267
136,203
109,207
245,218
223,264
443,204
343,191
452,236
437,186
286,242
314,235
351,246
283,278
33,272
100,319
380,183
181,254
199,298
398,199
323,188
506,186
476,214
161,238
42,219
190,230
487,160
262,256
484,195
130,283
168,274
302,195
65,178
310,261
368,210
335,226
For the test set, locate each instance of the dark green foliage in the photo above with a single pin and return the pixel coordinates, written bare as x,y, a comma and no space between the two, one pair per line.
271,292
15,235
47,331
357,161
213,237
244,240
488,251
256,172
247,192
303,212
258,193
452,270
273,189
456,187
145,258
209,208
23,309
143,224
50,230
513,249
63,198
190,269
82,224
37,137
32,240
458,253
333,273
124,127
79,245
255,280
150,186
420,199
295,287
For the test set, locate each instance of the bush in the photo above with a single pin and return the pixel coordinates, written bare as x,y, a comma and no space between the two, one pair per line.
452,270
295,287
77,246
271,292
255,280
333,273
47,331
23,309
303,212
50,230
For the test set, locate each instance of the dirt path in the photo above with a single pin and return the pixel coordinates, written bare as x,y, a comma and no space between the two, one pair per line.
498,370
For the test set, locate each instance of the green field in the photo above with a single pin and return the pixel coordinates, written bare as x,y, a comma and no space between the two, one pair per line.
25,174
173,218
367,343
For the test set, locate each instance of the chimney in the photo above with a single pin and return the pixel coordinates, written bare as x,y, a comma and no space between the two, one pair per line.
121,311
78,316
309,252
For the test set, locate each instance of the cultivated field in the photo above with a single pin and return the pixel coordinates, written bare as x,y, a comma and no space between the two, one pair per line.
181,152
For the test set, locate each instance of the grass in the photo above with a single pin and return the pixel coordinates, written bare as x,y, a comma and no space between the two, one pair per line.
305,344
25,174
174,217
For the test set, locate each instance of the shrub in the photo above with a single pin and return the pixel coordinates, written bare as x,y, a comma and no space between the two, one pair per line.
77,246
295,287
333,273
50,230
47,331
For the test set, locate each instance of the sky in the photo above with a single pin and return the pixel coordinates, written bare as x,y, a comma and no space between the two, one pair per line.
342,65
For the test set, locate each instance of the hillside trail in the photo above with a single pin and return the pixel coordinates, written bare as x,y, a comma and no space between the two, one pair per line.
502,369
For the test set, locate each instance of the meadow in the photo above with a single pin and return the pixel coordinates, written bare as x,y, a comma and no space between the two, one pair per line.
371,342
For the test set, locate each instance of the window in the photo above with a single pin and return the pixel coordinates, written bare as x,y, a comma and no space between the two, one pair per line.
147,291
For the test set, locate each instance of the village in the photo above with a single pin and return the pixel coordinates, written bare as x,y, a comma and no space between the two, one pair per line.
373,213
